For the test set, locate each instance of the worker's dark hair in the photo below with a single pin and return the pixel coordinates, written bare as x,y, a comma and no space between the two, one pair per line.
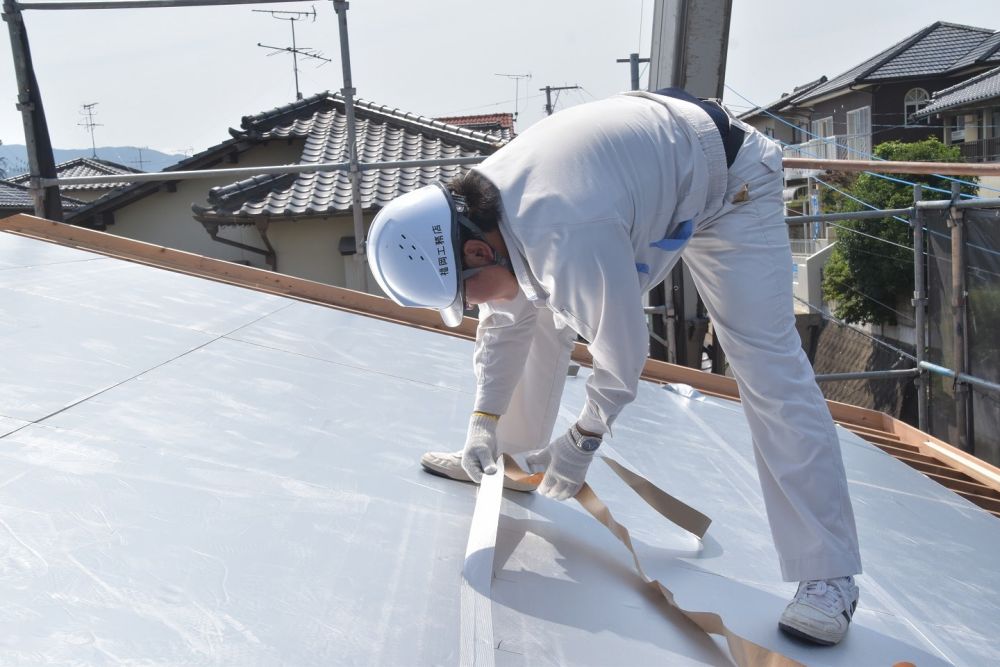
482,199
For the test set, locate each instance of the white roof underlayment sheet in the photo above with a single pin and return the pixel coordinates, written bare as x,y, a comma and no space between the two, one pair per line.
196,473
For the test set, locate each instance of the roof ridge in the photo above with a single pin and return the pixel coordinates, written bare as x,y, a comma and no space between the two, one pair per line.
897,49
967,82
426,122
251,123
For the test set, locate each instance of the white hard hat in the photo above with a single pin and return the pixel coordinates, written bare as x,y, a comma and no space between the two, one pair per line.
413,248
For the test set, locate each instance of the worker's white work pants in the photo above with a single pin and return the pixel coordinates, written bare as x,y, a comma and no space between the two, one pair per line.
527,423
741,264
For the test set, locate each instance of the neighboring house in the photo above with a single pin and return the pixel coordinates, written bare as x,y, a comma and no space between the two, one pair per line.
781,120
501,124
876,100
300,224
969,112
16,198
85,166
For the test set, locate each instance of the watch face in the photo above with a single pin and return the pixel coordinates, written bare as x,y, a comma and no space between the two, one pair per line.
588,444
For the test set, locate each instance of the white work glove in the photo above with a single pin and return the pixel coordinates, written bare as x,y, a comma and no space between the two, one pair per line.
480,454
565,466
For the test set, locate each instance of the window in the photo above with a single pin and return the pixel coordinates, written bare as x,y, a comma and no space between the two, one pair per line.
823,144
769,131
957,128
859,133
915,100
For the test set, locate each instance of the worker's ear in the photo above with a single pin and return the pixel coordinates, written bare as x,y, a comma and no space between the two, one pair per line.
476,253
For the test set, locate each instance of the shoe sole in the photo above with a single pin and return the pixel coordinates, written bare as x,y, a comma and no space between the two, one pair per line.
799,634
508,483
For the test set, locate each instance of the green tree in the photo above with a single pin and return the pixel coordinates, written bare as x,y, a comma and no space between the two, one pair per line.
866,277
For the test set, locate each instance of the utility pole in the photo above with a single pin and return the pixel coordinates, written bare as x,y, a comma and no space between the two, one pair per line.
88,111
295,50
549,106
517,83
633,60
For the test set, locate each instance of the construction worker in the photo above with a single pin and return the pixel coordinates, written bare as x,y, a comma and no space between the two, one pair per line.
559,234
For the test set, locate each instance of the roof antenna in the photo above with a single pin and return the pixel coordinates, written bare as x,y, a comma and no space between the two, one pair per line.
517,80
88,111
295,50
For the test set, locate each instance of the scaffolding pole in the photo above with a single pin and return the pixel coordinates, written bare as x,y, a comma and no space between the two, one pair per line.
960,356
920,306
341,7
41,163
141,4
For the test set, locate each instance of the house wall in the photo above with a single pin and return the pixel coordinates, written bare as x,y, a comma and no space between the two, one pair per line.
310,249
838,108
165,218
887,111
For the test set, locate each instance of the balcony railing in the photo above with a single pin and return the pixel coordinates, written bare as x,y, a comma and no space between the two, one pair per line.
838,147
808,247
984,150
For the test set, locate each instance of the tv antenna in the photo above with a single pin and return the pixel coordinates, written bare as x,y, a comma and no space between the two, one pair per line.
295,50
517,85
140,161
88,111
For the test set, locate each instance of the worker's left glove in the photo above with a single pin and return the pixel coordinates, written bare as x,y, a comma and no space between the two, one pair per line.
565,462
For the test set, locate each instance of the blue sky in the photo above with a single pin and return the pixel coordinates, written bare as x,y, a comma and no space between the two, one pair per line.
177,79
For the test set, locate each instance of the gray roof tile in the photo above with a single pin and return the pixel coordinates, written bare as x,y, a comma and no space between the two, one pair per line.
85,166
383,134
935,50
15,197
982,87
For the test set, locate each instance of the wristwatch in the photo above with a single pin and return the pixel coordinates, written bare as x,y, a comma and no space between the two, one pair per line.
585,443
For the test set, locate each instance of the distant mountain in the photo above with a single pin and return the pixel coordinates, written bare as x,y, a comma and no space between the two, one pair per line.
15,157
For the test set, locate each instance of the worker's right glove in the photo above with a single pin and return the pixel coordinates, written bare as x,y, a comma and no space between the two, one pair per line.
564,464
480,454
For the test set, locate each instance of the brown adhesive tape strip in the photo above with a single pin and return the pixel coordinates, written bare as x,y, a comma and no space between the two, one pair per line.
744,652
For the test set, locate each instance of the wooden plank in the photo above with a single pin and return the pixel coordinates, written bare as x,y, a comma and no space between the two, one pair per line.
958,486
979,470
863,430
906,455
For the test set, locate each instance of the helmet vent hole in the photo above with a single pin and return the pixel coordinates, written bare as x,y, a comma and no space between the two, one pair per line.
401,247
411,257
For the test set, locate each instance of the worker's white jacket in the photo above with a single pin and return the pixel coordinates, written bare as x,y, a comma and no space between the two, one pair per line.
596,202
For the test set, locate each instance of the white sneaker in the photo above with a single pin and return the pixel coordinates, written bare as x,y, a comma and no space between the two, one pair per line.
445,464
449,464
821,610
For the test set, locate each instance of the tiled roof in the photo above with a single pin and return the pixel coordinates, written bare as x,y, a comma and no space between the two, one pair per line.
85,166
786,99
501,124
986,52
932,51
383,134
983,87
15,197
